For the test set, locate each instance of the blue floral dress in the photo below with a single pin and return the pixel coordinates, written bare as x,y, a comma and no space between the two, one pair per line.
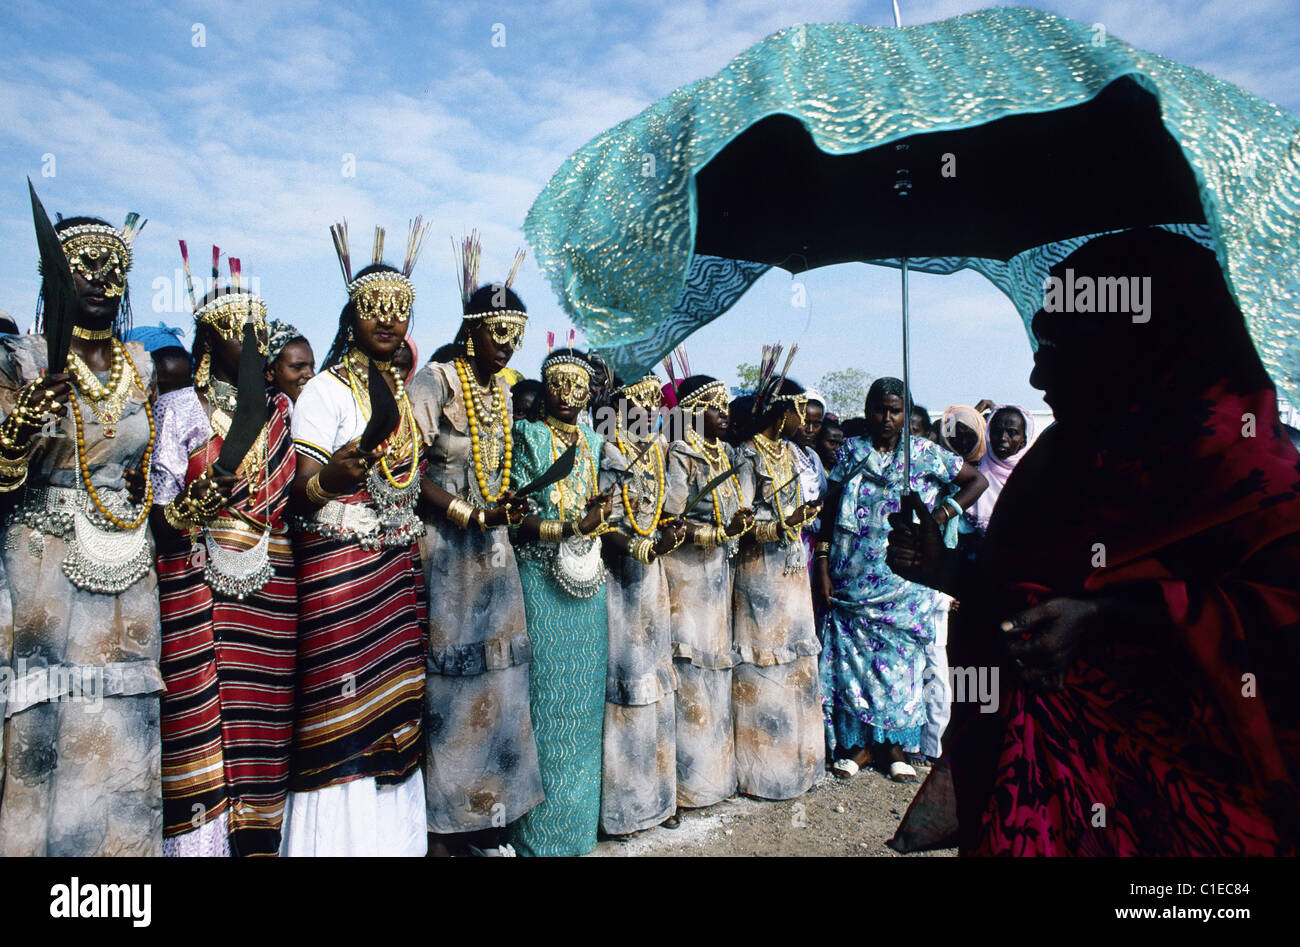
876,629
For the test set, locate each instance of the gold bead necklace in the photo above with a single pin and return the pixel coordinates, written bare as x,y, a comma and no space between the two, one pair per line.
475,409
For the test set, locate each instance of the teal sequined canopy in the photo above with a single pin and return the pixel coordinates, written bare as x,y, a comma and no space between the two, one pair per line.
790,156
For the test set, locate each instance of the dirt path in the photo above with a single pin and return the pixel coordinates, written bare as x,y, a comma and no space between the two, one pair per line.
835,817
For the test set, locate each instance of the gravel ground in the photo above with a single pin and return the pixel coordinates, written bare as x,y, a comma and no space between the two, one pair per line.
835,817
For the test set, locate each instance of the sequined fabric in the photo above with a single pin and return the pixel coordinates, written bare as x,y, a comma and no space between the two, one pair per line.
614,230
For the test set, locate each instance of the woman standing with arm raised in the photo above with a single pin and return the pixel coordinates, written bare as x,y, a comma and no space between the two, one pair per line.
481,768
355,783
80,777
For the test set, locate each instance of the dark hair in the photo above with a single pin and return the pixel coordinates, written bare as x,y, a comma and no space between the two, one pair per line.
691,384
482,300
169,351
7,325
1008,409
447,353
854,427
883,388
740,418
481,303
829,426
920,411
526,386
776,409
349,314
122,324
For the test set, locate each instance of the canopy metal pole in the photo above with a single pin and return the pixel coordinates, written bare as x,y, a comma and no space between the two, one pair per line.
906,433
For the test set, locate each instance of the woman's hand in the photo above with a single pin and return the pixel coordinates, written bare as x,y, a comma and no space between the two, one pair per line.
1044,639
741,520
209,494
915,548
347,467
672,533
822,583
36,401
598,509
509,511
805,514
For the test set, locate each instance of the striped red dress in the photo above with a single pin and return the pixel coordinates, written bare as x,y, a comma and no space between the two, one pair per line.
361,639
227,716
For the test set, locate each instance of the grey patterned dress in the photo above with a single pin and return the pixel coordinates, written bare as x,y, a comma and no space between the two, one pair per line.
81,752
638,788
700,582
780,743
481,766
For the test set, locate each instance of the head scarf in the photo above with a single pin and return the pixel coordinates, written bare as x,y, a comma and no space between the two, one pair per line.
972,419
281,335
156,337
415,359
812,394
995,470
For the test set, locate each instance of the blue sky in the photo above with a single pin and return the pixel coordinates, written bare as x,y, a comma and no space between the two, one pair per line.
243,141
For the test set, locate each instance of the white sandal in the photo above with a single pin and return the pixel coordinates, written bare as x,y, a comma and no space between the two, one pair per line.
845,768
901,772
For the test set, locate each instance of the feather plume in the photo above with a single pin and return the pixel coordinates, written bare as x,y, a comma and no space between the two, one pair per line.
514,267
680,352
339,233
668,367
377,252
467,257
189,277
416,231
550,342
132,227
235,272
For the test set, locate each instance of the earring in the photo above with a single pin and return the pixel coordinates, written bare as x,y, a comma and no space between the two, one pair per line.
469,345
202,375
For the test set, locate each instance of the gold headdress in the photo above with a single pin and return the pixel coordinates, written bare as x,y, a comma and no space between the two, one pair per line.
101,250
646,393
505,324
712,395
227,312
385,296
570,377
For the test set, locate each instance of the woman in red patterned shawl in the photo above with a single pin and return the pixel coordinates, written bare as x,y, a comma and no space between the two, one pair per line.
228,594
1138,594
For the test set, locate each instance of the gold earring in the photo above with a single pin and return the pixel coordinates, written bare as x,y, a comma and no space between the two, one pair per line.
202,374
469,345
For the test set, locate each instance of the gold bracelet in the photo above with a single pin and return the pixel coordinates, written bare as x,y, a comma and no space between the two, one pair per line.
480,519
316,493
551,531
766,532
822,547
642,550
459,512
178,515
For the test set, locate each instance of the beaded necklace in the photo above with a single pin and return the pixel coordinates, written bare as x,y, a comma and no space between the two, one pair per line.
627,449
496,414
715,456
106,401
780,469
356,364
585,461
144,464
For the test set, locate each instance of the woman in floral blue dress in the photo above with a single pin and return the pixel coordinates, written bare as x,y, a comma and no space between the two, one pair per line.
877,625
